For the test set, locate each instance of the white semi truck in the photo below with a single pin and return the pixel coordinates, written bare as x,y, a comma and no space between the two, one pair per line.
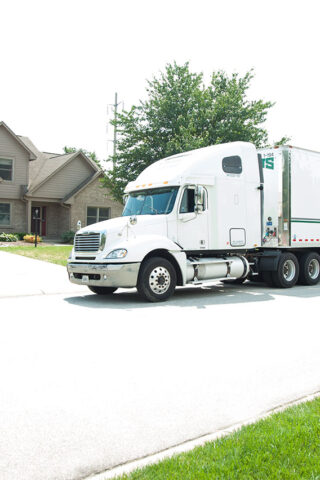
227,212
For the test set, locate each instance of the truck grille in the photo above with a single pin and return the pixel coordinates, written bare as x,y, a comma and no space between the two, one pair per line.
87,242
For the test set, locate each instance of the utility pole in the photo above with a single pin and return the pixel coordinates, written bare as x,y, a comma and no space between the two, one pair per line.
112,113
115,106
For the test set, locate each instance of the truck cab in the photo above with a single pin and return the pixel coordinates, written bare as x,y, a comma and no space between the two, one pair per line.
187,219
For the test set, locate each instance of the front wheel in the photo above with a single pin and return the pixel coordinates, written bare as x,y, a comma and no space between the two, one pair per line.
157,279
102,290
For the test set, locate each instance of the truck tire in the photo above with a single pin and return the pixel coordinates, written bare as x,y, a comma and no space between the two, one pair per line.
309,269
157,279
102,290
288,271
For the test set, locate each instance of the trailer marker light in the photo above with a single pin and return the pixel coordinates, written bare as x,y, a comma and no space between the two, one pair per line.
149,184
312,240
166,182
317,240
300,239
143,185
294,240
137,186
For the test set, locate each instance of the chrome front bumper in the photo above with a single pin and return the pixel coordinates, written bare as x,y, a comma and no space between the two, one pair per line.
104,275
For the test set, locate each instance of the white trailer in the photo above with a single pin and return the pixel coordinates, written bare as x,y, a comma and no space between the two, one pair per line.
227,212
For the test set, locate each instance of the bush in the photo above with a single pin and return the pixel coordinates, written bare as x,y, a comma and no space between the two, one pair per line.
67,237
31,238
20,235
8,237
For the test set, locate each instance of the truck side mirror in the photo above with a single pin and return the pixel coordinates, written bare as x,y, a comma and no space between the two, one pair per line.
125,198
78,224
198,198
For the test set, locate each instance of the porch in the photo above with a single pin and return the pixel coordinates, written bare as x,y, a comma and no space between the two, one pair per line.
53,219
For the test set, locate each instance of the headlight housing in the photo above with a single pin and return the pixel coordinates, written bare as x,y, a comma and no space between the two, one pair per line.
118,253
103,238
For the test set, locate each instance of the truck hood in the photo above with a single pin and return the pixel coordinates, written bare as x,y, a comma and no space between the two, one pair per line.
121,228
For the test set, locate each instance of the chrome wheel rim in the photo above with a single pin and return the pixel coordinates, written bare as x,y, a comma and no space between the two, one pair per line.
313,269
159,280
289,270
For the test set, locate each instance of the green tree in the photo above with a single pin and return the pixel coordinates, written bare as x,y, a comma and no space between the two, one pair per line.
182,114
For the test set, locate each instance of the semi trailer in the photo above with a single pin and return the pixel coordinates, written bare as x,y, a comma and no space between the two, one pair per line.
226,212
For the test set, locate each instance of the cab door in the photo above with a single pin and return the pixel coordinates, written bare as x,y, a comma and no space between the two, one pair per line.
193,231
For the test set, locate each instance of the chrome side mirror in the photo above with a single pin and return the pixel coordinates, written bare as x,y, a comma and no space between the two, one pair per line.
78,224
199,195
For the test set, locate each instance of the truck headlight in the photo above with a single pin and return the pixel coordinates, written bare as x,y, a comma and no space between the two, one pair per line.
118,253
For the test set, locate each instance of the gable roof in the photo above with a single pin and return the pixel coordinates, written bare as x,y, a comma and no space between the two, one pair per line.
31,153
48,164
82,185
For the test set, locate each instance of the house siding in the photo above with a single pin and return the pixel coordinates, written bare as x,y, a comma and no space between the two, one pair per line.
65,180
93,196
11,149
18,212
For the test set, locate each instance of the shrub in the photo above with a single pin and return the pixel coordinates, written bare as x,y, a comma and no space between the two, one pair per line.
31,238
8,237
20,235
67,237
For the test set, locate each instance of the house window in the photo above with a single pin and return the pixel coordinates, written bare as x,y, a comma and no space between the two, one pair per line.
4,214
97,214
6,167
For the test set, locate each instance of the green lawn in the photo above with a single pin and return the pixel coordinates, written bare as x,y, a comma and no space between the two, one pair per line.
285,446
53,254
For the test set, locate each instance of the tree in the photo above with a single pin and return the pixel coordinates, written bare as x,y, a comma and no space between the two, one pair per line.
182,114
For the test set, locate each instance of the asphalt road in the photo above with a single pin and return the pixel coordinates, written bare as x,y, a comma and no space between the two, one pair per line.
88,382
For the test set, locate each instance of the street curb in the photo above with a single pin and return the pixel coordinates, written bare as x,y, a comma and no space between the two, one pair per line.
191,444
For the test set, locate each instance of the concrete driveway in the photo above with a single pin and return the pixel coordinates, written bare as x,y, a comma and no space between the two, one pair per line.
89,383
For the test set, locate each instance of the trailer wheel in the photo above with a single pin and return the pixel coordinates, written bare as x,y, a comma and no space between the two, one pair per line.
102,290
157,279
288,271
309,269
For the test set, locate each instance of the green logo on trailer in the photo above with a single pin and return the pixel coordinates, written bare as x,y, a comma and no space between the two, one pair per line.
268,162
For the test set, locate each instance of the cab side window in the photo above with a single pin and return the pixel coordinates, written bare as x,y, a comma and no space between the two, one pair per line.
187,202
232,164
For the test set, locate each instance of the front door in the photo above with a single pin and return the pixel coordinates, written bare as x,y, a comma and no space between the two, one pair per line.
41,213
192,226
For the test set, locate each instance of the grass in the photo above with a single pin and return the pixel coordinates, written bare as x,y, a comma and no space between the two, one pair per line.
285,446
52,254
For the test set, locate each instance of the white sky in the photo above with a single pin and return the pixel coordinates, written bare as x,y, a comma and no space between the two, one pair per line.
63,60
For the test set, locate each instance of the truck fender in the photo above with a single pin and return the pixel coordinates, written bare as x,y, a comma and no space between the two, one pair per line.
269,261
178,259
145,246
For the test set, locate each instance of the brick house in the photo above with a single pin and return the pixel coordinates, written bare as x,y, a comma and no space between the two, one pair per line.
64,188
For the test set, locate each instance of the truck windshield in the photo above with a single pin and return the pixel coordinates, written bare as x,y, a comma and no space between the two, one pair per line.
156,201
